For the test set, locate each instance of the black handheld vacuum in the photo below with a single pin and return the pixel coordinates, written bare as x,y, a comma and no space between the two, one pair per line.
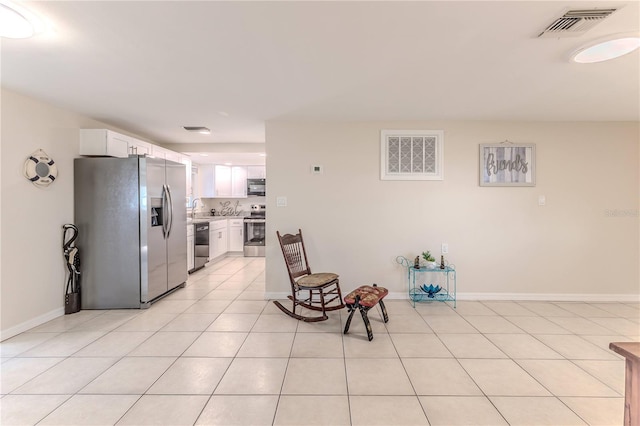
72,257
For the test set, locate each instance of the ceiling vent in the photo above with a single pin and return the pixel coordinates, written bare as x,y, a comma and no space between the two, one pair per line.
575,22
197,129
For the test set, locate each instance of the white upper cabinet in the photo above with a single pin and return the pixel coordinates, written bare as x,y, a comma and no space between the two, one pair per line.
102,142
187,164
222,181
137,147
205,181
228,181
160,152
256,172
239,181
107,143
218,181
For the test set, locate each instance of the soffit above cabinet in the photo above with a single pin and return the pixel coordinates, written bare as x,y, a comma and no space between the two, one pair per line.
237,158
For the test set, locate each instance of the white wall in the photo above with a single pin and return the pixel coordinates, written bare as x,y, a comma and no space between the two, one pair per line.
33,270
503,244
355,224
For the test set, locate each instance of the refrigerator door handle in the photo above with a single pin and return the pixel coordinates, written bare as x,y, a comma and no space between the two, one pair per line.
170,211
165,216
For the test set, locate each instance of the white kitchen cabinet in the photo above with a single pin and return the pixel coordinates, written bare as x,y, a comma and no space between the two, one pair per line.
205,181
109,143
195,181
102,142
239,181
158,152
223,242
137,147
187,164
227,181
222,181
218,238
212,241
236,235
172,155
256,172
191,255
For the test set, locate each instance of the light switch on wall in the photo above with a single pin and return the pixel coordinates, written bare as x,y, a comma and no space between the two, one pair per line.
281,201
542,200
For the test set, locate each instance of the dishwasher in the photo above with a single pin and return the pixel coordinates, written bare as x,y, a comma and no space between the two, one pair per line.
201,241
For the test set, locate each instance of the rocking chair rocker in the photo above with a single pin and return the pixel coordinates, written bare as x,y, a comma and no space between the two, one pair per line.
323,288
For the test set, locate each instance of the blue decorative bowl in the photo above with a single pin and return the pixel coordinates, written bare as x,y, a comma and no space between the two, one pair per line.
431,290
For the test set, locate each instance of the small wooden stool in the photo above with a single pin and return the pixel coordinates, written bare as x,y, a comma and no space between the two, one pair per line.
364,298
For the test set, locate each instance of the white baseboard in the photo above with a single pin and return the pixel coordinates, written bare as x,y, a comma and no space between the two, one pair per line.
27,325
540,297
552,297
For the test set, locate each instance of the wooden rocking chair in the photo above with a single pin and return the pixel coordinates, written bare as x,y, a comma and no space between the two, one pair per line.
311,291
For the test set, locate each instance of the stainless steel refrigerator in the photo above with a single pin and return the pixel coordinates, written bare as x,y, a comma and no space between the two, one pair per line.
132,230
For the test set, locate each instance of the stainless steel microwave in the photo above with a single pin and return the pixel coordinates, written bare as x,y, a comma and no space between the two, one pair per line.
256,187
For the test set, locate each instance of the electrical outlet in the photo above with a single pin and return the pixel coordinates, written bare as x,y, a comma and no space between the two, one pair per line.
281,201
445,248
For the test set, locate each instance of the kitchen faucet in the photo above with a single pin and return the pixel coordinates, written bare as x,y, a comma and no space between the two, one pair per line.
193,207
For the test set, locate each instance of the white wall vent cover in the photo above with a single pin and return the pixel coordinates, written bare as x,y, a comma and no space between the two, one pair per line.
411,154
575,22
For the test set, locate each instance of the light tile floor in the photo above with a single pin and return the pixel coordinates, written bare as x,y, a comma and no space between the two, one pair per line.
215,353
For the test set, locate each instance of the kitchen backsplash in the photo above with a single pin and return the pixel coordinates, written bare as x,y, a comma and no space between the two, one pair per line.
229,206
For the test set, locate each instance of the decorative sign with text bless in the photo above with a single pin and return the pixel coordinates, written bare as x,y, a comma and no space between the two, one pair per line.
507,164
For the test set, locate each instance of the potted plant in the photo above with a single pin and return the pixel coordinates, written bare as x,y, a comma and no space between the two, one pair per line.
430,260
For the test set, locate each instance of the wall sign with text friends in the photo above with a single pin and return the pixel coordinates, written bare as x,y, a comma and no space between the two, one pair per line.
507,164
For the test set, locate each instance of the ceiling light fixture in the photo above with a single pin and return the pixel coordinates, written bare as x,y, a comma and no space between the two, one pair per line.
17,21
605,50
197,129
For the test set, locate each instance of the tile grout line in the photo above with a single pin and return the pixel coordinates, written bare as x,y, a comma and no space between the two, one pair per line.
515,361
504,315
564,358
346,373
286,368
209,399
469,375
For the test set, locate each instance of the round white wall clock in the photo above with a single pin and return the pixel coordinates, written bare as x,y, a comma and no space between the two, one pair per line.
40,169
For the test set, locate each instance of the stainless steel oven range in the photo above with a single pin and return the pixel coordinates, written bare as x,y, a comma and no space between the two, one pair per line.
254,231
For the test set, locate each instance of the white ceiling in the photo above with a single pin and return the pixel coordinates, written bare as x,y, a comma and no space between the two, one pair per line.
152,67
